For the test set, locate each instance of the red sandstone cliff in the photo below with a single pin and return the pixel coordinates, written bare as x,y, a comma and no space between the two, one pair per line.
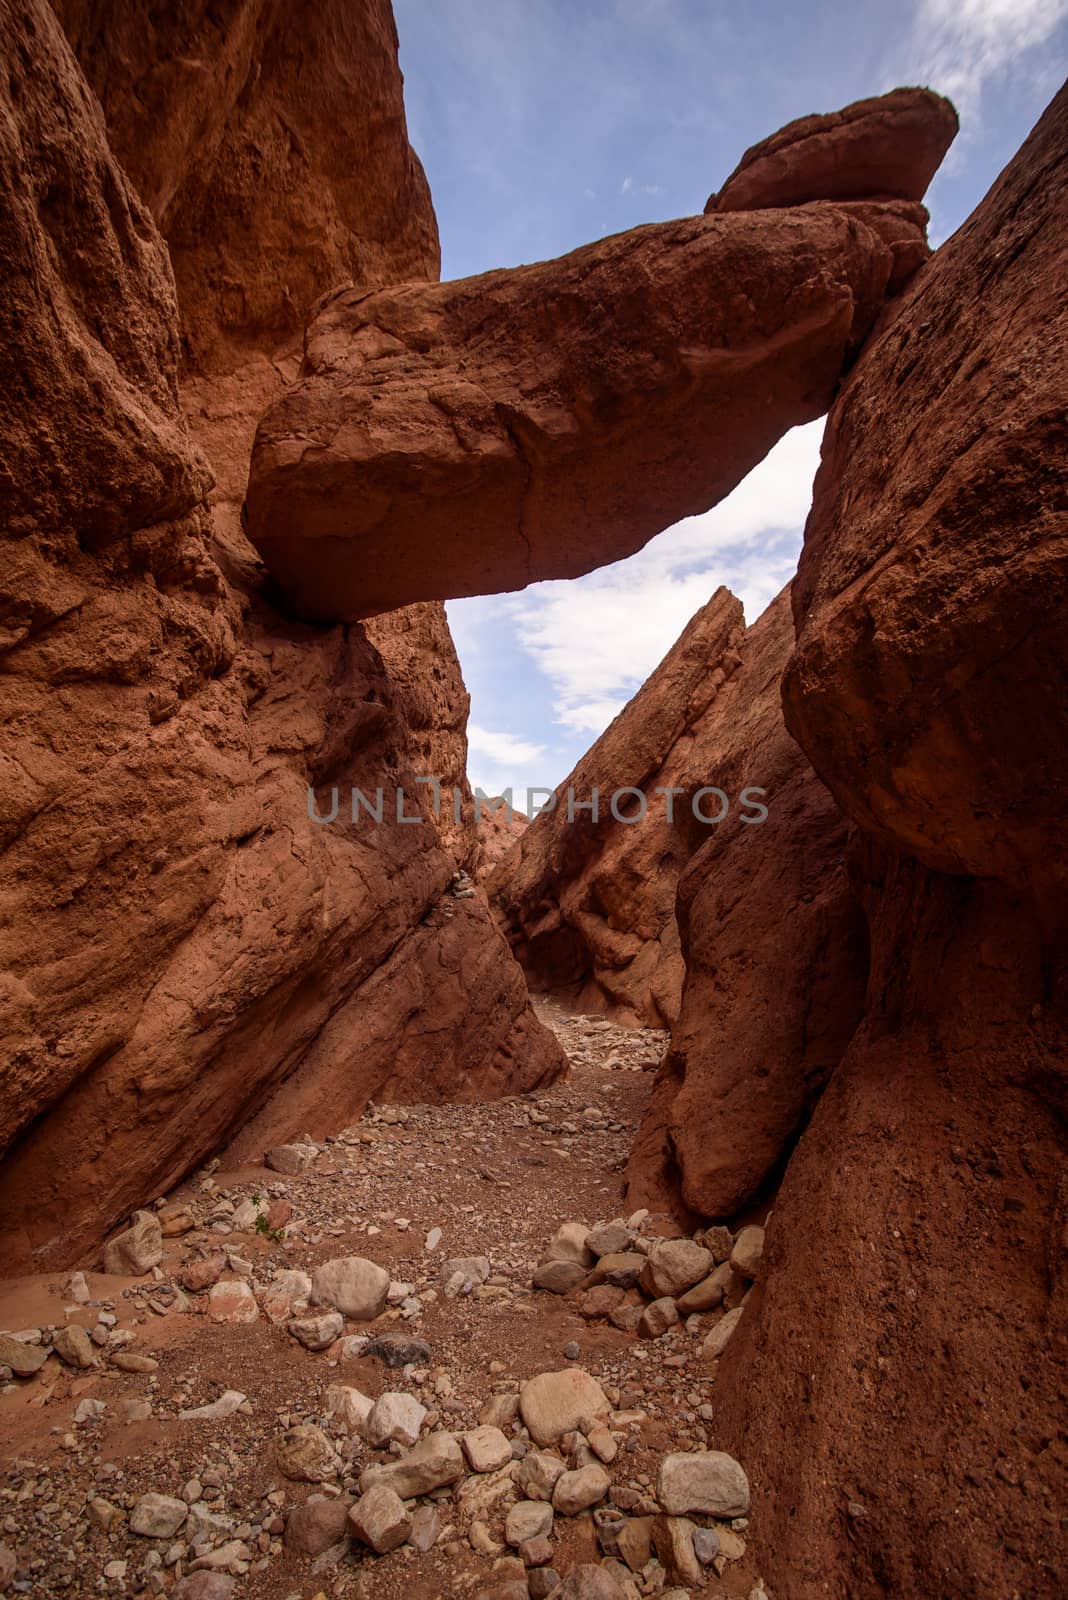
184,949
905,1351
775,953
589,907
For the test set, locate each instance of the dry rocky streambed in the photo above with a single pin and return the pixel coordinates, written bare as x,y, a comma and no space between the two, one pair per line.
426,1358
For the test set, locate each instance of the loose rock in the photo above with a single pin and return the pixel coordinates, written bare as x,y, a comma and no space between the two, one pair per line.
434,1462
578,1491
719,1338
316,1333
380,1520
317,1525
708,1481
138,1250
305,1454
486,1448
353,1285
157,1516
528,1519
395,1418
748,1252
554,1403
673,1266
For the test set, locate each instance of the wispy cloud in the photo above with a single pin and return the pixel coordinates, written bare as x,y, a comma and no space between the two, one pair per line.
498,762
501,747
596,639
961,47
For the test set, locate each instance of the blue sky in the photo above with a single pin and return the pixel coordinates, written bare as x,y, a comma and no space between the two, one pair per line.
544,124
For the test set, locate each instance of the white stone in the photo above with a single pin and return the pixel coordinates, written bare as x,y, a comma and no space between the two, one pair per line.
538,1472
486,1448
348,1405
286,1295
232,1300
554,1403
380,1520
157,1516
434,1462
229,1401
244,1217
569,1243
578,1491
673,1266
704,1481
352,1285
395,1418
138,1250
529,1519
748,1252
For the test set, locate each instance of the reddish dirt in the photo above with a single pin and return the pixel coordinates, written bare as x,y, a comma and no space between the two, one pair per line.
497,1184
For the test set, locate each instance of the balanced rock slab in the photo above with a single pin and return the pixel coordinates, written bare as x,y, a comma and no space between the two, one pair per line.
887,147
441,442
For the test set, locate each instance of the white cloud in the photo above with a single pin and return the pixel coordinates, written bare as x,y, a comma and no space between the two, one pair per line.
960,46
501,747
596,639
498,762
626,186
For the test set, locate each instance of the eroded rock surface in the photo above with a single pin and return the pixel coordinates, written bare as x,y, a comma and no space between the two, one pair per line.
559,414
589,906
889,147
269,146
928,689
775,949
931,595
180,937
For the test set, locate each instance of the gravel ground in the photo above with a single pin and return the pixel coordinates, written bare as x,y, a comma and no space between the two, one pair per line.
497,1180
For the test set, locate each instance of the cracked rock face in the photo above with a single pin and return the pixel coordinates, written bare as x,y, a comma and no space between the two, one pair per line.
469,437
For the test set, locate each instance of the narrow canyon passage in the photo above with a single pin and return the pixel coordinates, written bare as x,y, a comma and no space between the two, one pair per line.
459,1204
325,1262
